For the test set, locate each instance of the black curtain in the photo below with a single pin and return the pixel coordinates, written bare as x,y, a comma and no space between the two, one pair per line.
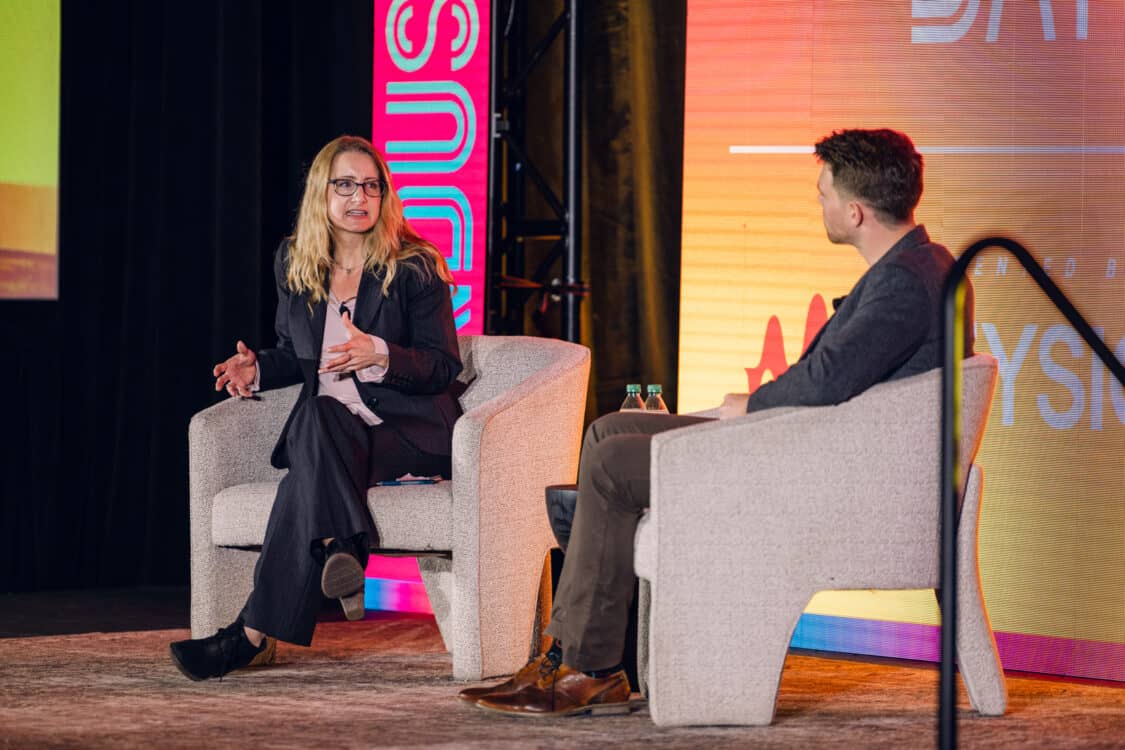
185,129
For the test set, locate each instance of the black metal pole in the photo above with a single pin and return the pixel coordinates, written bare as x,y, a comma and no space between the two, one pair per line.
573,164
950,491
950,429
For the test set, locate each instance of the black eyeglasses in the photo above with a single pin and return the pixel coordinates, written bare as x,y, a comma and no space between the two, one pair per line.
345,187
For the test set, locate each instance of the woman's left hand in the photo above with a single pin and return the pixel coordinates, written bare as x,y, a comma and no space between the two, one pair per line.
357,353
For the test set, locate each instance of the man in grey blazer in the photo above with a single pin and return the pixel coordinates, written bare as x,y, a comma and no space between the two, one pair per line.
887,327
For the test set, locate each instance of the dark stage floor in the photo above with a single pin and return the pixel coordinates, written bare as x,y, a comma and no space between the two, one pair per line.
93,611
109,611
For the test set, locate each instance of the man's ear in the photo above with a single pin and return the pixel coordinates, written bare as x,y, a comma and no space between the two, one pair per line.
857,214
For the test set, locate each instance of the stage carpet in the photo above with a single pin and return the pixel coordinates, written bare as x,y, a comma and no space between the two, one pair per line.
386,683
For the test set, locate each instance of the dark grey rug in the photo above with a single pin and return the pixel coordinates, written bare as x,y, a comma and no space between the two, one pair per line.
386,683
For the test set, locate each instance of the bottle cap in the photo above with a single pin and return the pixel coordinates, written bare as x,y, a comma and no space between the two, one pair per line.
654,388
633,388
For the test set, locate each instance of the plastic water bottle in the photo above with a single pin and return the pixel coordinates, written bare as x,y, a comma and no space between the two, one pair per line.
655,402
632,400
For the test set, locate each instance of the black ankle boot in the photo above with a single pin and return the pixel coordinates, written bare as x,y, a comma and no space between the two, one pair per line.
343,576
214,656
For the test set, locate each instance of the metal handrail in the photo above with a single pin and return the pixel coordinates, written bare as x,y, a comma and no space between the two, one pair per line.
953,301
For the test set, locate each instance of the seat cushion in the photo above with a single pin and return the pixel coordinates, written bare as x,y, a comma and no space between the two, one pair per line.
412,517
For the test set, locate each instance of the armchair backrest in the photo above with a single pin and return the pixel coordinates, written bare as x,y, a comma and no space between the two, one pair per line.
906,414
866,471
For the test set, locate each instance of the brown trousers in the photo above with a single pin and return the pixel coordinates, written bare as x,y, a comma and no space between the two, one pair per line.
591,608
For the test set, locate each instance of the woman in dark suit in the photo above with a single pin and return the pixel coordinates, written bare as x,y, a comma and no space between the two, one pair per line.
365,323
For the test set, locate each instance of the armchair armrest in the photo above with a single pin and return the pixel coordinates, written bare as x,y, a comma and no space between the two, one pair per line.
506,449
228,444
529,435
800,474
809,474
712,413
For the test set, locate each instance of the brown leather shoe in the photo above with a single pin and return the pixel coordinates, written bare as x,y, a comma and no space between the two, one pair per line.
527,675
563,692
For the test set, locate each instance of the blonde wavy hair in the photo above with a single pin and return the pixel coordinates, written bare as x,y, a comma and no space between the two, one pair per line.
390,241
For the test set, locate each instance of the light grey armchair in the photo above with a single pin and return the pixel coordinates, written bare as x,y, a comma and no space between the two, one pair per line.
520,431
751,517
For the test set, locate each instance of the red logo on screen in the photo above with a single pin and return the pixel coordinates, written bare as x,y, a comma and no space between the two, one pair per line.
773,348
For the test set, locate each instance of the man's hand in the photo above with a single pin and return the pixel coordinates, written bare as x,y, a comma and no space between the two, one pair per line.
734,405
237,373
357,353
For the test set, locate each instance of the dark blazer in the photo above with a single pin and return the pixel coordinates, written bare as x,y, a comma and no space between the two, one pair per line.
887,327
415,318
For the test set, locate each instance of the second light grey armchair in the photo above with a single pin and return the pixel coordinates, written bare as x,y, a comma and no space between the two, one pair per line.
751,517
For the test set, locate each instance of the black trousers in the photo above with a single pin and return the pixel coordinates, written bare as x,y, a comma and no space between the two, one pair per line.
590,615
333,458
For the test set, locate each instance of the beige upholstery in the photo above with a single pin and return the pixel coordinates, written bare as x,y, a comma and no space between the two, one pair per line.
753,516
520,432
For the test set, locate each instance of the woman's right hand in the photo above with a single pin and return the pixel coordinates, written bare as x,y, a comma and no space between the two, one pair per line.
237,373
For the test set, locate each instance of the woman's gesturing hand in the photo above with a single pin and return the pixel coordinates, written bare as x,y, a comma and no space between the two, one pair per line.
356,353
237,373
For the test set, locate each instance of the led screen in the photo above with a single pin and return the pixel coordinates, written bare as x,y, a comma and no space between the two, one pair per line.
1019,109
29,145
431,119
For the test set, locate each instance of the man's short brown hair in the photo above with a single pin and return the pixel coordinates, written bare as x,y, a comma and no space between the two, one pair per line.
880,167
